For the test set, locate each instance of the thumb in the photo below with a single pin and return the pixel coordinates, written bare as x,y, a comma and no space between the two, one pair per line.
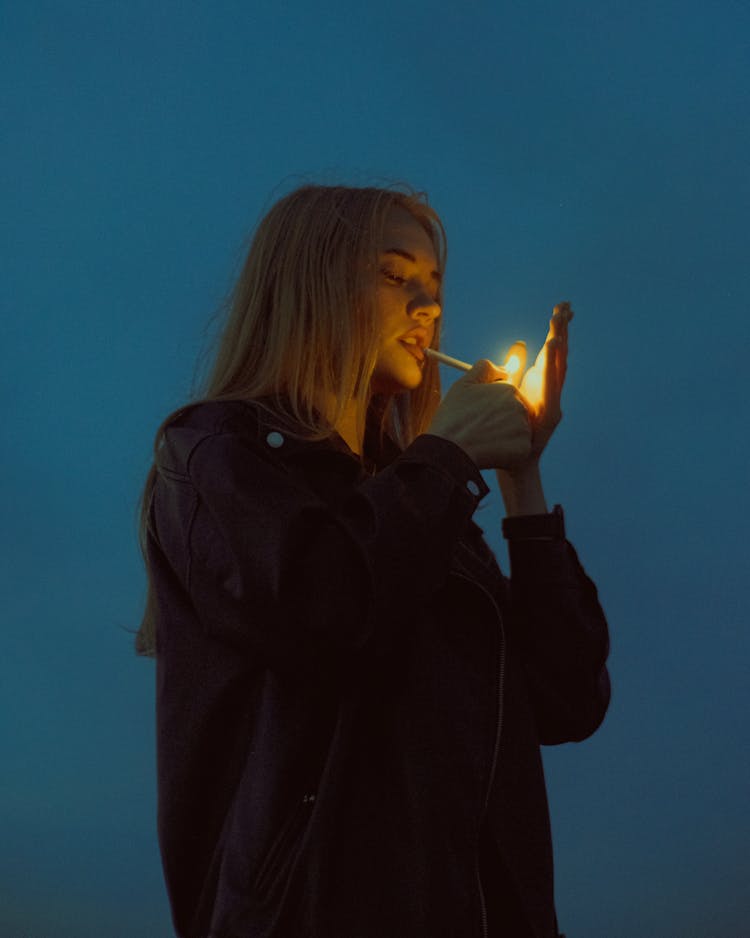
484,372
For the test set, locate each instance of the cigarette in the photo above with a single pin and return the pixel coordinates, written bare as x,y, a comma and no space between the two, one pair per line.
447,360
453,362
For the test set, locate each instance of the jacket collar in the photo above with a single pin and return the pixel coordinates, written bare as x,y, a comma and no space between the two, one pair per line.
379,449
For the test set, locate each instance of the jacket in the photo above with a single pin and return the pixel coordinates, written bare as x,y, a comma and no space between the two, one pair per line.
351,696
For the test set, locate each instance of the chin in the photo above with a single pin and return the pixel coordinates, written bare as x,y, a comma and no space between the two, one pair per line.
396,383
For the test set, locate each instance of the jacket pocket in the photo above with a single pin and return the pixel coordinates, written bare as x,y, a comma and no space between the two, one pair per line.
284,847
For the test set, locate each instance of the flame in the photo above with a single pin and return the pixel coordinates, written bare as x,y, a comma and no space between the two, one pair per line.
513,364
530,382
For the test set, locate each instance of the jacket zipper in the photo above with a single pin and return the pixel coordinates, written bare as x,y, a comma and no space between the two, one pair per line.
500,675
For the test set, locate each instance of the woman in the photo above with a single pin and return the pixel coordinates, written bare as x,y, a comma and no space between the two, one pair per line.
350,694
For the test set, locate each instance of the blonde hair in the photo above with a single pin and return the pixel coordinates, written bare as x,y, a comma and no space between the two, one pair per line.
302,326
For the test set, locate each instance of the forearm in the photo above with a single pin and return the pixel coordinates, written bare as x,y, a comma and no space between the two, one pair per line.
522,490
562,635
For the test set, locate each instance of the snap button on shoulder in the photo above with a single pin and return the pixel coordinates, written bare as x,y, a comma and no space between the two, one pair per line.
472,487
275,439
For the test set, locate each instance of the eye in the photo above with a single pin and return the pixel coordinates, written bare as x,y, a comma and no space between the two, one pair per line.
398,280
393,277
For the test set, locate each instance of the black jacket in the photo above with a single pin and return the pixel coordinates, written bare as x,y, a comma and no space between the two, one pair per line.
350,695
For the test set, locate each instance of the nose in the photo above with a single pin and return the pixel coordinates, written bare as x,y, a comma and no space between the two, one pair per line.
424,308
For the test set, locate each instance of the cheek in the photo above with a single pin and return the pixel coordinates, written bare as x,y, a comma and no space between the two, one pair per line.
383,304
392,318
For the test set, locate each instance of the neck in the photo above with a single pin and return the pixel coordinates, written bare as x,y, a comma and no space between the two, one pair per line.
347,429
346,426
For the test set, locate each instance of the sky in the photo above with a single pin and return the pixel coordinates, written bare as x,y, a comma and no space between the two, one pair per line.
588,151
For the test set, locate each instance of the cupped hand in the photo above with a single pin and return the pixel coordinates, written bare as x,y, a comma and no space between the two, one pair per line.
542,385
485,415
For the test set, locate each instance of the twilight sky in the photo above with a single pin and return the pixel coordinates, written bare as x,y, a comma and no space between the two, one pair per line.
595,152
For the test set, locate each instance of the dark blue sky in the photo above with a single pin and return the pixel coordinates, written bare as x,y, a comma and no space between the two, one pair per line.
595,152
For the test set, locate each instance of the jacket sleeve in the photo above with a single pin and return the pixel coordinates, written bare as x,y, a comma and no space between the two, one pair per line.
282,574
561,630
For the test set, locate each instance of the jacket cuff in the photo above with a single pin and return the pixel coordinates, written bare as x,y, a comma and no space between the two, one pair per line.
537,547
549,527
449,459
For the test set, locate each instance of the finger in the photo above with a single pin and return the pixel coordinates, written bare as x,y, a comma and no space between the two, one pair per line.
530,408
484,372
563,311
552,384
541,360
561,317
562,352
558,324
562,361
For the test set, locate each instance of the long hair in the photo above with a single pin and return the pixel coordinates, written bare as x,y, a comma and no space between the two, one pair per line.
302,326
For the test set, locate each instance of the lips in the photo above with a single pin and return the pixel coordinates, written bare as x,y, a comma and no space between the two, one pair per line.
414,341
414,348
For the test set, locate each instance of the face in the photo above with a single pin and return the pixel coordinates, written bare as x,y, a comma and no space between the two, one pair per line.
408,284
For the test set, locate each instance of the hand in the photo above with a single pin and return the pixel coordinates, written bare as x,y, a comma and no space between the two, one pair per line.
485,416
541,386
541,389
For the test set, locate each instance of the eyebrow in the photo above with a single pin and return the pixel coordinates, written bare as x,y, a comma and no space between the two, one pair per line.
410,257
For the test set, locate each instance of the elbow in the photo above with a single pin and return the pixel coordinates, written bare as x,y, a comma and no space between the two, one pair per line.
574,717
